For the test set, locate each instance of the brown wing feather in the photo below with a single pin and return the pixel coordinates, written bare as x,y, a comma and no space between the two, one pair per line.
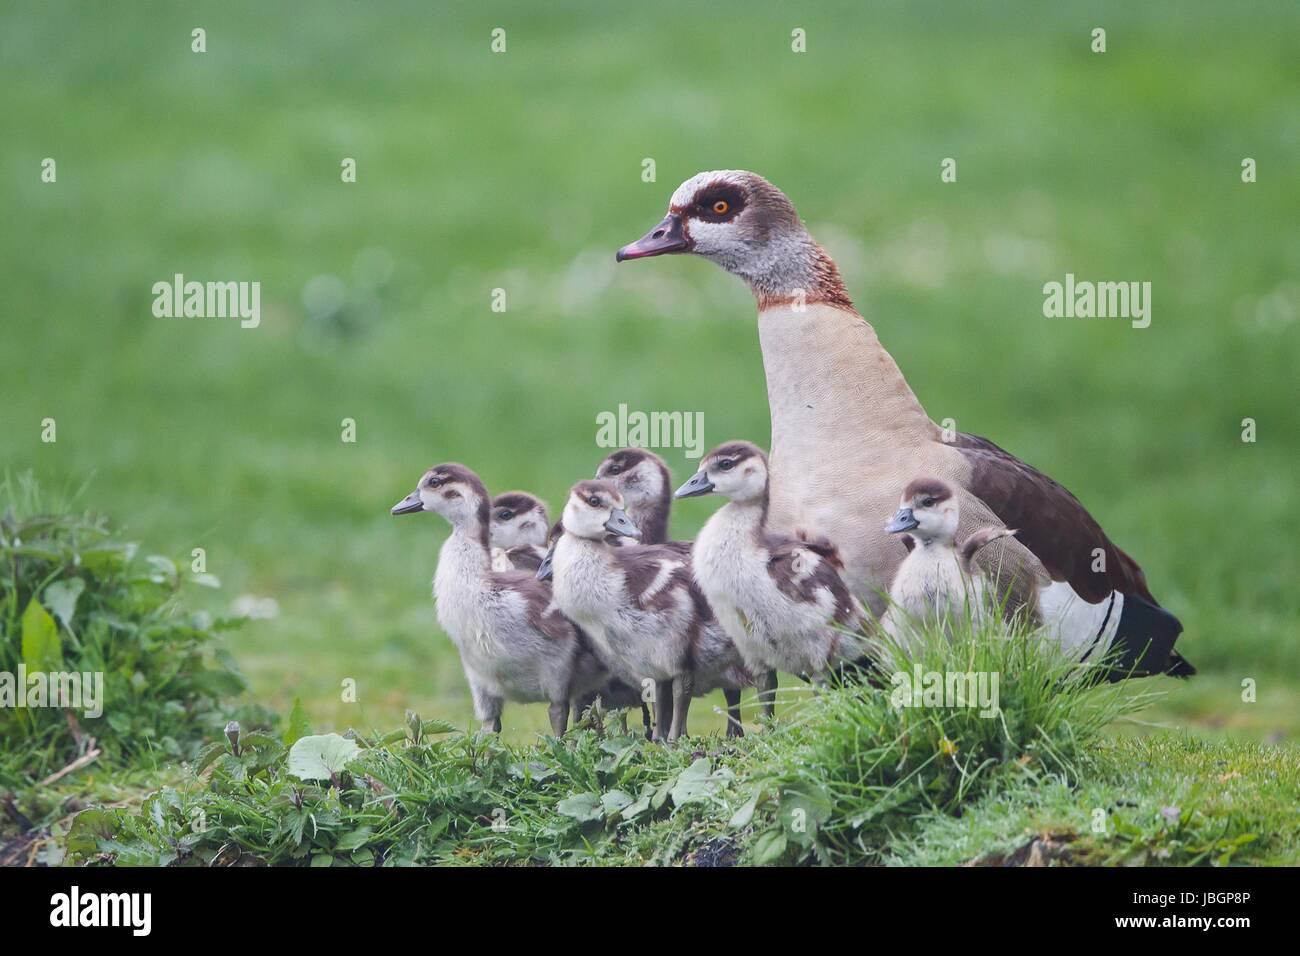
541,615
784,549
1051,522
641,565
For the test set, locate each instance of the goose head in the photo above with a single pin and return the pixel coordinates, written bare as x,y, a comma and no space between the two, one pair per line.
740,221
594,510
928,511
736,470
453,491
640,476
518,518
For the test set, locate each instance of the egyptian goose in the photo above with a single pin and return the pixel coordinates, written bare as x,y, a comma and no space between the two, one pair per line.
514,644
641,608
938,584
847,433
780,598
518,531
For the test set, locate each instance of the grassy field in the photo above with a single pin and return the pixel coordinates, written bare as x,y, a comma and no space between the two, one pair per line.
522,171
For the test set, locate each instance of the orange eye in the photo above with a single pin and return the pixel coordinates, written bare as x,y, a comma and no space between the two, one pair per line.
720,207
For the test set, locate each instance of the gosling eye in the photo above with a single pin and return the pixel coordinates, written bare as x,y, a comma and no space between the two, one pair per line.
726,464
927,502
505,514
594,501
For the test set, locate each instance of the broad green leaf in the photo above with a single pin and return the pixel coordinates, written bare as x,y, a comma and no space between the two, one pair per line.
88,828
697,783
584,807
803,812
42,650
62,596
208,754
320,757
745,814
614,801
769,848
355,839
299,724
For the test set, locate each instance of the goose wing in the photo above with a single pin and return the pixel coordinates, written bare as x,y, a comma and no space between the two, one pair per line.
1050,522
803,567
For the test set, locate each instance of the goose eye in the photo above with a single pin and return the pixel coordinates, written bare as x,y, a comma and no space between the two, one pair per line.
927,503
615,469
594,501
505,515
720,207
726,465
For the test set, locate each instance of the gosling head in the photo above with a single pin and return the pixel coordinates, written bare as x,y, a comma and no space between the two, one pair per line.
454,492
743,223
928,511
640,476
737,470
518,518
594,510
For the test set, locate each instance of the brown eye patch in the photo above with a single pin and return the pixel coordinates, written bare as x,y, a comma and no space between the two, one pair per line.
719,204
450,494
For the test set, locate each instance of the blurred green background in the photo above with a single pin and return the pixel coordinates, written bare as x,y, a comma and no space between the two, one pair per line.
522,171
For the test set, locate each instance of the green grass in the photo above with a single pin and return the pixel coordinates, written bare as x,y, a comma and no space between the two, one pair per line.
522,171
846,777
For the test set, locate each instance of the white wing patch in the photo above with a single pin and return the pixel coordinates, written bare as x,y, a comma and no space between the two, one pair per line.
1078,627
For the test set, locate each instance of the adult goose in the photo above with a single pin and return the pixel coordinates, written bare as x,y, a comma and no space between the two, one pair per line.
847,433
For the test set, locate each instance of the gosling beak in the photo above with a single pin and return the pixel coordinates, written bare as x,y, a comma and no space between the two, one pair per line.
668,236
544,572
619,523
408,505
698,485
904,520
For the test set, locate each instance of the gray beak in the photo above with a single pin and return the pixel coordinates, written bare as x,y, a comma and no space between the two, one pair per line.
668,236
619,523
544,572
408,505
698,485
904,520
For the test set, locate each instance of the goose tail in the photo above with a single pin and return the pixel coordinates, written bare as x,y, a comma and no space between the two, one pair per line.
1145,641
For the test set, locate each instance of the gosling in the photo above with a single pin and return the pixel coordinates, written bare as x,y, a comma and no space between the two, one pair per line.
641,609
938,584
780,598
518,531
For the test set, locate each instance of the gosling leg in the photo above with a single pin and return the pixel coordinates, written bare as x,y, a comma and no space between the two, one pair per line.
663,710
559,712
734,729
683,685
766,682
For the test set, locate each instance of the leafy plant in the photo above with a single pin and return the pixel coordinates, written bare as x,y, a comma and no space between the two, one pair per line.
76,598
